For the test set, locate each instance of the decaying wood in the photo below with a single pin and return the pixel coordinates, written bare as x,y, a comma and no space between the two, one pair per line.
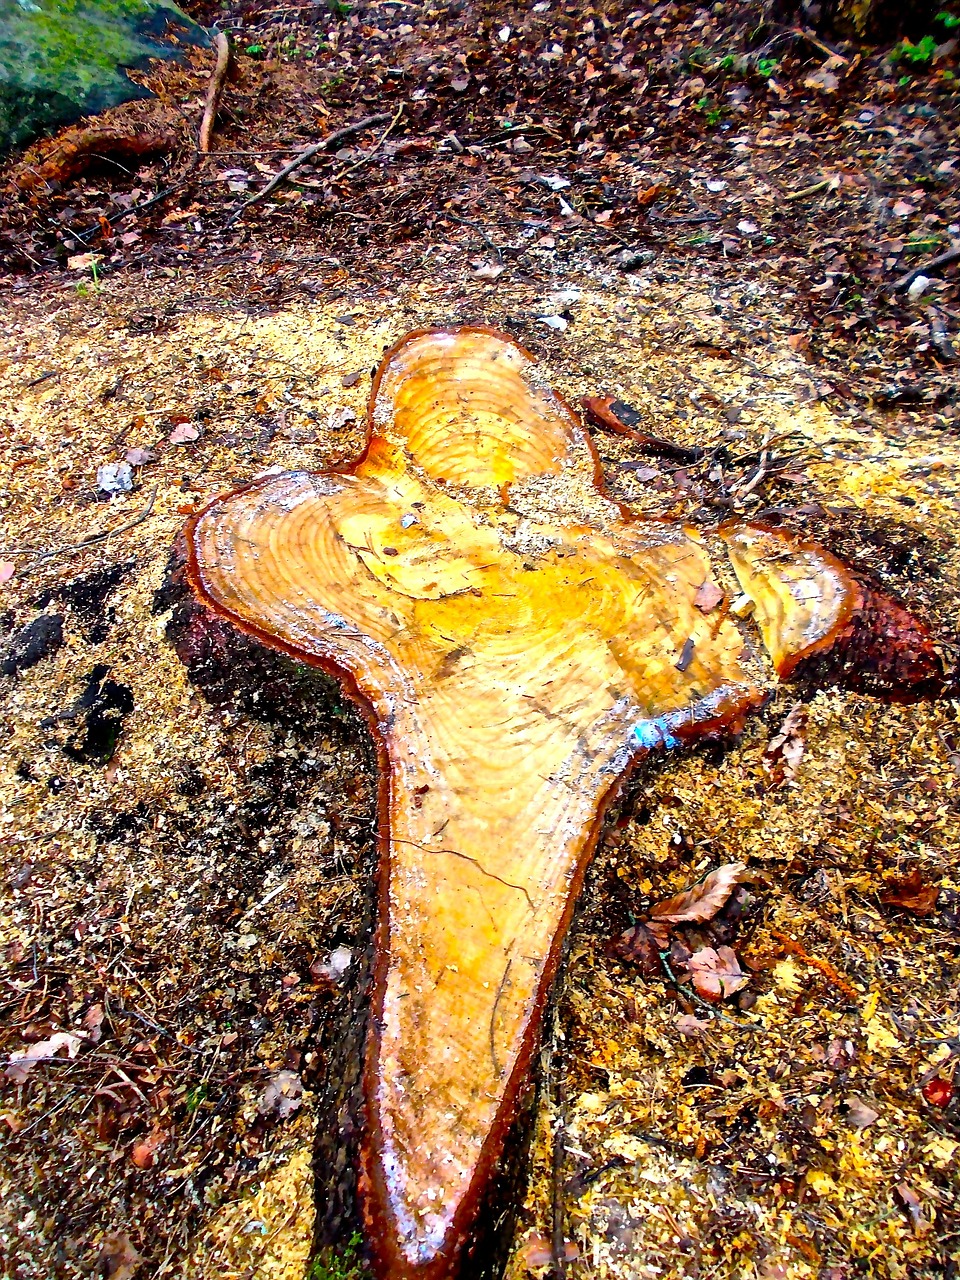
517,642
613,415
77,149
222,46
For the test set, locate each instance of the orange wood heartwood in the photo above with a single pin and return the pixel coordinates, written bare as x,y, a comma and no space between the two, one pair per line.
518,641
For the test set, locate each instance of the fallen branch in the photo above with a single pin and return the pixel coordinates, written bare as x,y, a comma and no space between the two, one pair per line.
941,260
809,191
802,34
77,149
90,540
308,153
221,44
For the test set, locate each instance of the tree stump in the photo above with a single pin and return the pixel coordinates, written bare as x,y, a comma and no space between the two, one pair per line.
517,642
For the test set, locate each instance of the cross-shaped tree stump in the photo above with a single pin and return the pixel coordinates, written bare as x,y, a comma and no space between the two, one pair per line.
518,641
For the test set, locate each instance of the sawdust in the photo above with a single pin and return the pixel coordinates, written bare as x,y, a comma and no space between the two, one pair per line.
137,886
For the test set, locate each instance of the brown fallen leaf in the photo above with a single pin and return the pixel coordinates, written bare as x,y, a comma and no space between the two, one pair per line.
649,194
688,1025
911,1202
716,973
185,433
912,894
118,1259
22,1061
859,1114
640,947
144,1150
700,903
708,596
785,749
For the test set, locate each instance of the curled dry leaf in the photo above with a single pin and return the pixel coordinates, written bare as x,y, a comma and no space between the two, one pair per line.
700,903
144,1151
118,1259
912,894
716,973
785,750
22,1061
282,1096
640,947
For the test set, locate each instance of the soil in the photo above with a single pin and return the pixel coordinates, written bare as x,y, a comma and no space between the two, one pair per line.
186,880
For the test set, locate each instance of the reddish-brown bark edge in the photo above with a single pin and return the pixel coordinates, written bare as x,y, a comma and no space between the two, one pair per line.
877,645
382,1235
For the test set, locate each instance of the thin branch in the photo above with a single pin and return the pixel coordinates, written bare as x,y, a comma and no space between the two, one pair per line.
91,539
308,153
222,45
809,191
941,260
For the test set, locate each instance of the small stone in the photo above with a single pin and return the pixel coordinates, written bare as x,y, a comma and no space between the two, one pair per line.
632,259
115,477
918,288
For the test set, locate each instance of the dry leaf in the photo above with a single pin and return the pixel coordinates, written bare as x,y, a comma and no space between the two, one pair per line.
144,1151
912,894
83,261
640,947
708,596
22,1061
92,1021
688,1025
650,194
184,434
700,903
785,750
859,1115
118,1259
716,973
282,1096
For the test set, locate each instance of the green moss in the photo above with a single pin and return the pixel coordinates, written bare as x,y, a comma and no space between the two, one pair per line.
61,59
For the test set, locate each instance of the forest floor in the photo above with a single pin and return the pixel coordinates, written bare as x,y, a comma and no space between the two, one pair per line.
709,216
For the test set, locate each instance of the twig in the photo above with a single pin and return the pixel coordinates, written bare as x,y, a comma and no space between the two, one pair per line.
90,540
809,191
307,154
803,34
760,472
558,1243
475,226
939,335
941,260
221,44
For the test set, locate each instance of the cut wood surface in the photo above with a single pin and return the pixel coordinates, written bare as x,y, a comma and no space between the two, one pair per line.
518,642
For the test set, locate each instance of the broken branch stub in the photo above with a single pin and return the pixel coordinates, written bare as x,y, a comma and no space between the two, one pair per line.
517,642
